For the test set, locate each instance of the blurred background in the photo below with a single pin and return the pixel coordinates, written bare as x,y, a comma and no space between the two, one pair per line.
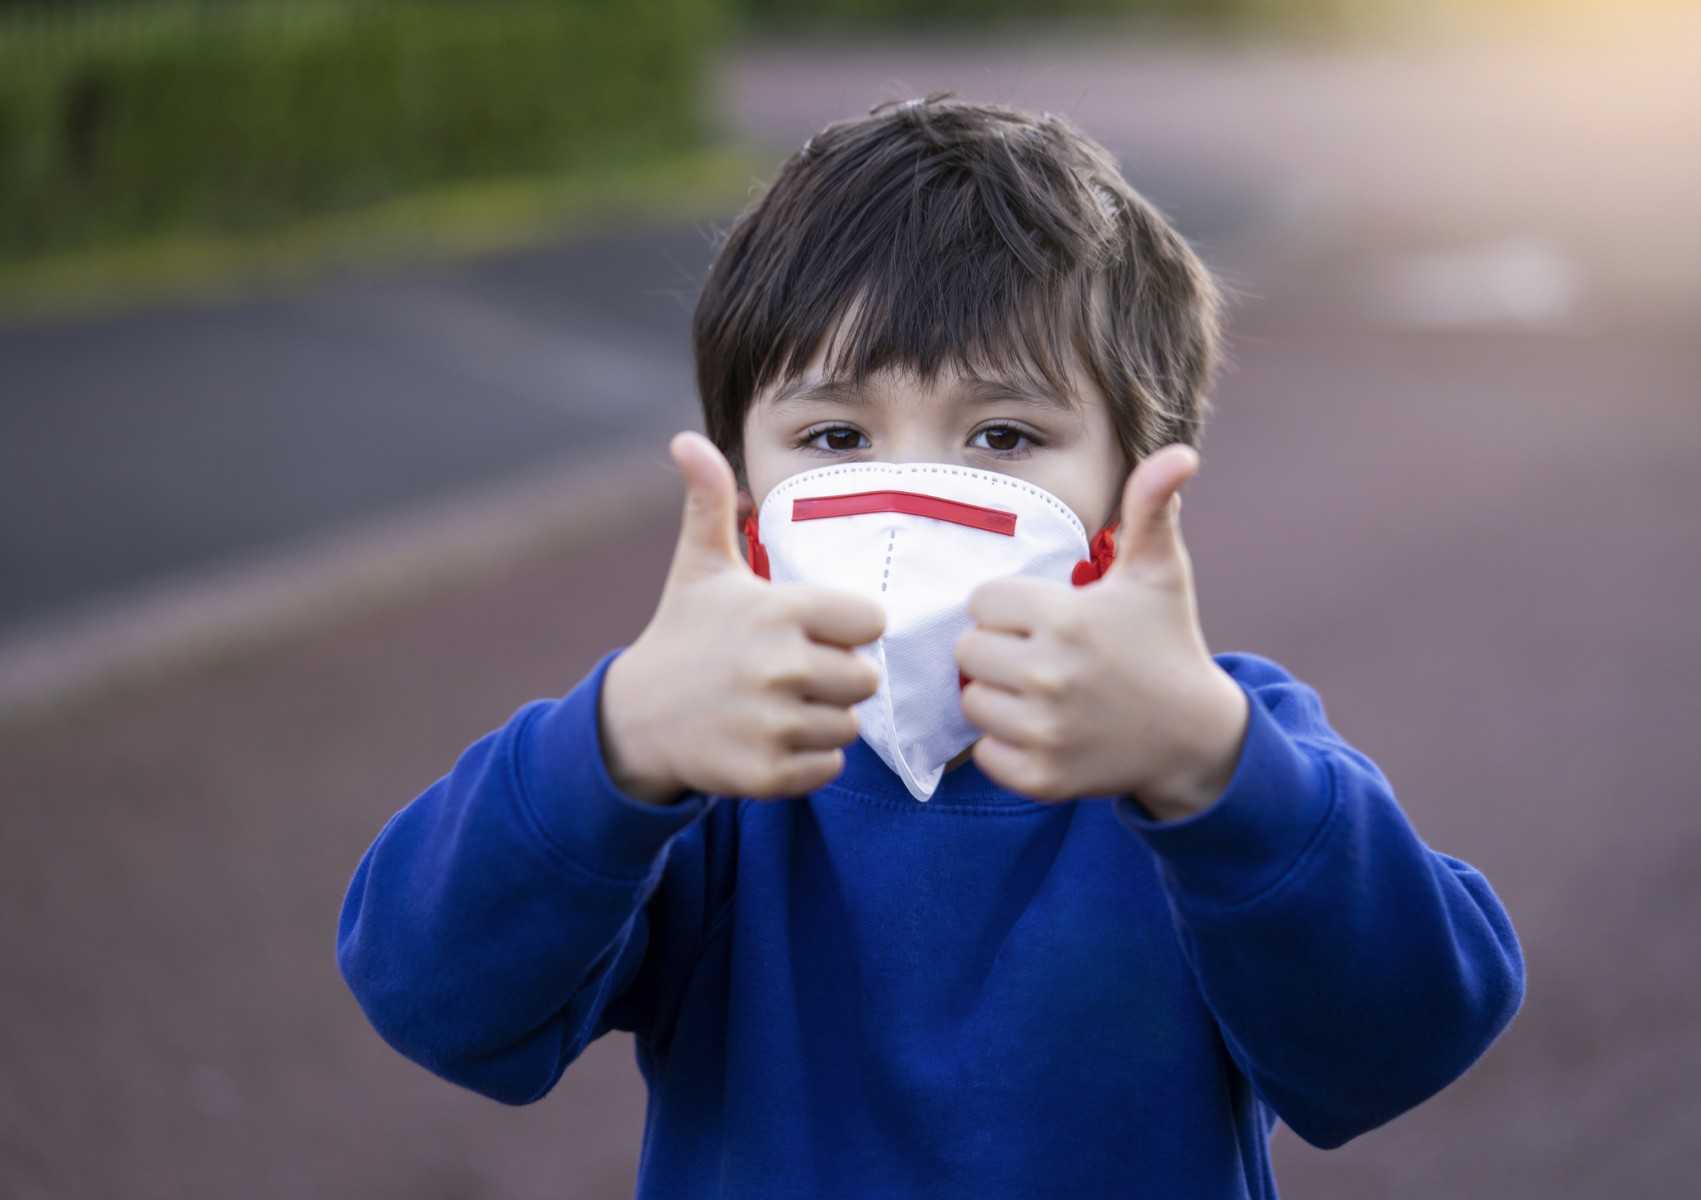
339,343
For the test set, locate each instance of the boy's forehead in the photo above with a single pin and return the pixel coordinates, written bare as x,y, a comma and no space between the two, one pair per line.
814,386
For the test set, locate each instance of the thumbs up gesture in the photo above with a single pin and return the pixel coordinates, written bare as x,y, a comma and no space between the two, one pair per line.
1107,689
737,686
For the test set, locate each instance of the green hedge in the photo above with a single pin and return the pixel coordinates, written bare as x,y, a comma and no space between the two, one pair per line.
793,15
143,118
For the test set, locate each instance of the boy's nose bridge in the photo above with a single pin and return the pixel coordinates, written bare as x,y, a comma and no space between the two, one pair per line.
914,504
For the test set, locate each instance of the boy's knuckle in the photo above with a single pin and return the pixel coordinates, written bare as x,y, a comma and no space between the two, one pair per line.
865,613
786,672
1047,783
1035,773
976,602
867,678
749,726
806,778
1168,575
1045,680
769,778
1029,777
752,674
1068,624
1048,732
782,727
781,607
804,775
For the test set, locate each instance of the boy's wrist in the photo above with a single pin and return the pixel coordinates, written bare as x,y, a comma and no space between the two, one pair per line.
636,768
1207,766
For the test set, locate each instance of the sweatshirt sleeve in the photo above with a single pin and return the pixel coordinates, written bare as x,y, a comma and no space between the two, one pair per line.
1354,972
521,906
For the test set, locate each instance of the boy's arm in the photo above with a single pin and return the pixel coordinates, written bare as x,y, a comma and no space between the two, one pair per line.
524,904
521,906
1353,971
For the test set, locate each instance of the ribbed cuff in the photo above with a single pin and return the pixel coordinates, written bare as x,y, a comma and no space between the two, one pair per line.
1258,829
566,782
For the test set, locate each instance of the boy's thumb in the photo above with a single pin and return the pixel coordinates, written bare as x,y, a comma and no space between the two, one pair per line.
1150,532
708,530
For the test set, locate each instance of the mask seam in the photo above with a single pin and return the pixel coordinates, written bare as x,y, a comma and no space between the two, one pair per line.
891,711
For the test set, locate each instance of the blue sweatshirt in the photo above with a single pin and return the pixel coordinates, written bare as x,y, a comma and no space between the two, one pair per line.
854,994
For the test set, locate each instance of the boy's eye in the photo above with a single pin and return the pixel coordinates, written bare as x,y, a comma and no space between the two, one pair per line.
1001,439
838,439
1009,441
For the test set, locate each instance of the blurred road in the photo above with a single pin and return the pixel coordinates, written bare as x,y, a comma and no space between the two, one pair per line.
1451,484
137,446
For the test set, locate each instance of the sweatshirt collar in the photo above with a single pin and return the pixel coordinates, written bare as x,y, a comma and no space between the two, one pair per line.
867,775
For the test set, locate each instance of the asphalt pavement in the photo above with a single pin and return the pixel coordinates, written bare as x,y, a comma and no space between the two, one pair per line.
138,446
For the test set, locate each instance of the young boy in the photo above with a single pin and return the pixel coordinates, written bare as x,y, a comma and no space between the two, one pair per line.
1147,906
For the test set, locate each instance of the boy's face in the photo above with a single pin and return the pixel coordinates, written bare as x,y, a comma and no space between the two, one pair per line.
1069,448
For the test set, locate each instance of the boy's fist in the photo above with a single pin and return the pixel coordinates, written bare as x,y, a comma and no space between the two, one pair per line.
1108,688
737,686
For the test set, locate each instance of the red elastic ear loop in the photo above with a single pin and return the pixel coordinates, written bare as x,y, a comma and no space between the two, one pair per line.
753,545
1103,552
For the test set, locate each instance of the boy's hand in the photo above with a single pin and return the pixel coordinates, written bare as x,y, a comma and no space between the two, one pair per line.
737,686
1108,688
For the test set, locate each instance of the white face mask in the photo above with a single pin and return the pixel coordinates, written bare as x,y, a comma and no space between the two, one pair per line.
917,538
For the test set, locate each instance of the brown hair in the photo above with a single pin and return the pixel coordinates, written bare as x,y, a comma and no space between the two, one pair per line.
936,232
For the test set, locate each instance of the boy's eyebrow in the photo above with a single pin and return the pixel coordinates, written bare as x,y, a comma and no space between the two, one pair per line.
974,389
992,391
805,391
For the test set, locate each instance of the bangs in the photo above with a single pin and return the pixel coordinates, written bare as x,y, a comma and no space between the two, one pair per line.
977,317
975,320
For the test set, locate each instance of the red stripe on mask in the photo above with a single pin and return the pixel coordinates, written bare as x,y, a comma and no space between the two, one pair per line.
915,504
